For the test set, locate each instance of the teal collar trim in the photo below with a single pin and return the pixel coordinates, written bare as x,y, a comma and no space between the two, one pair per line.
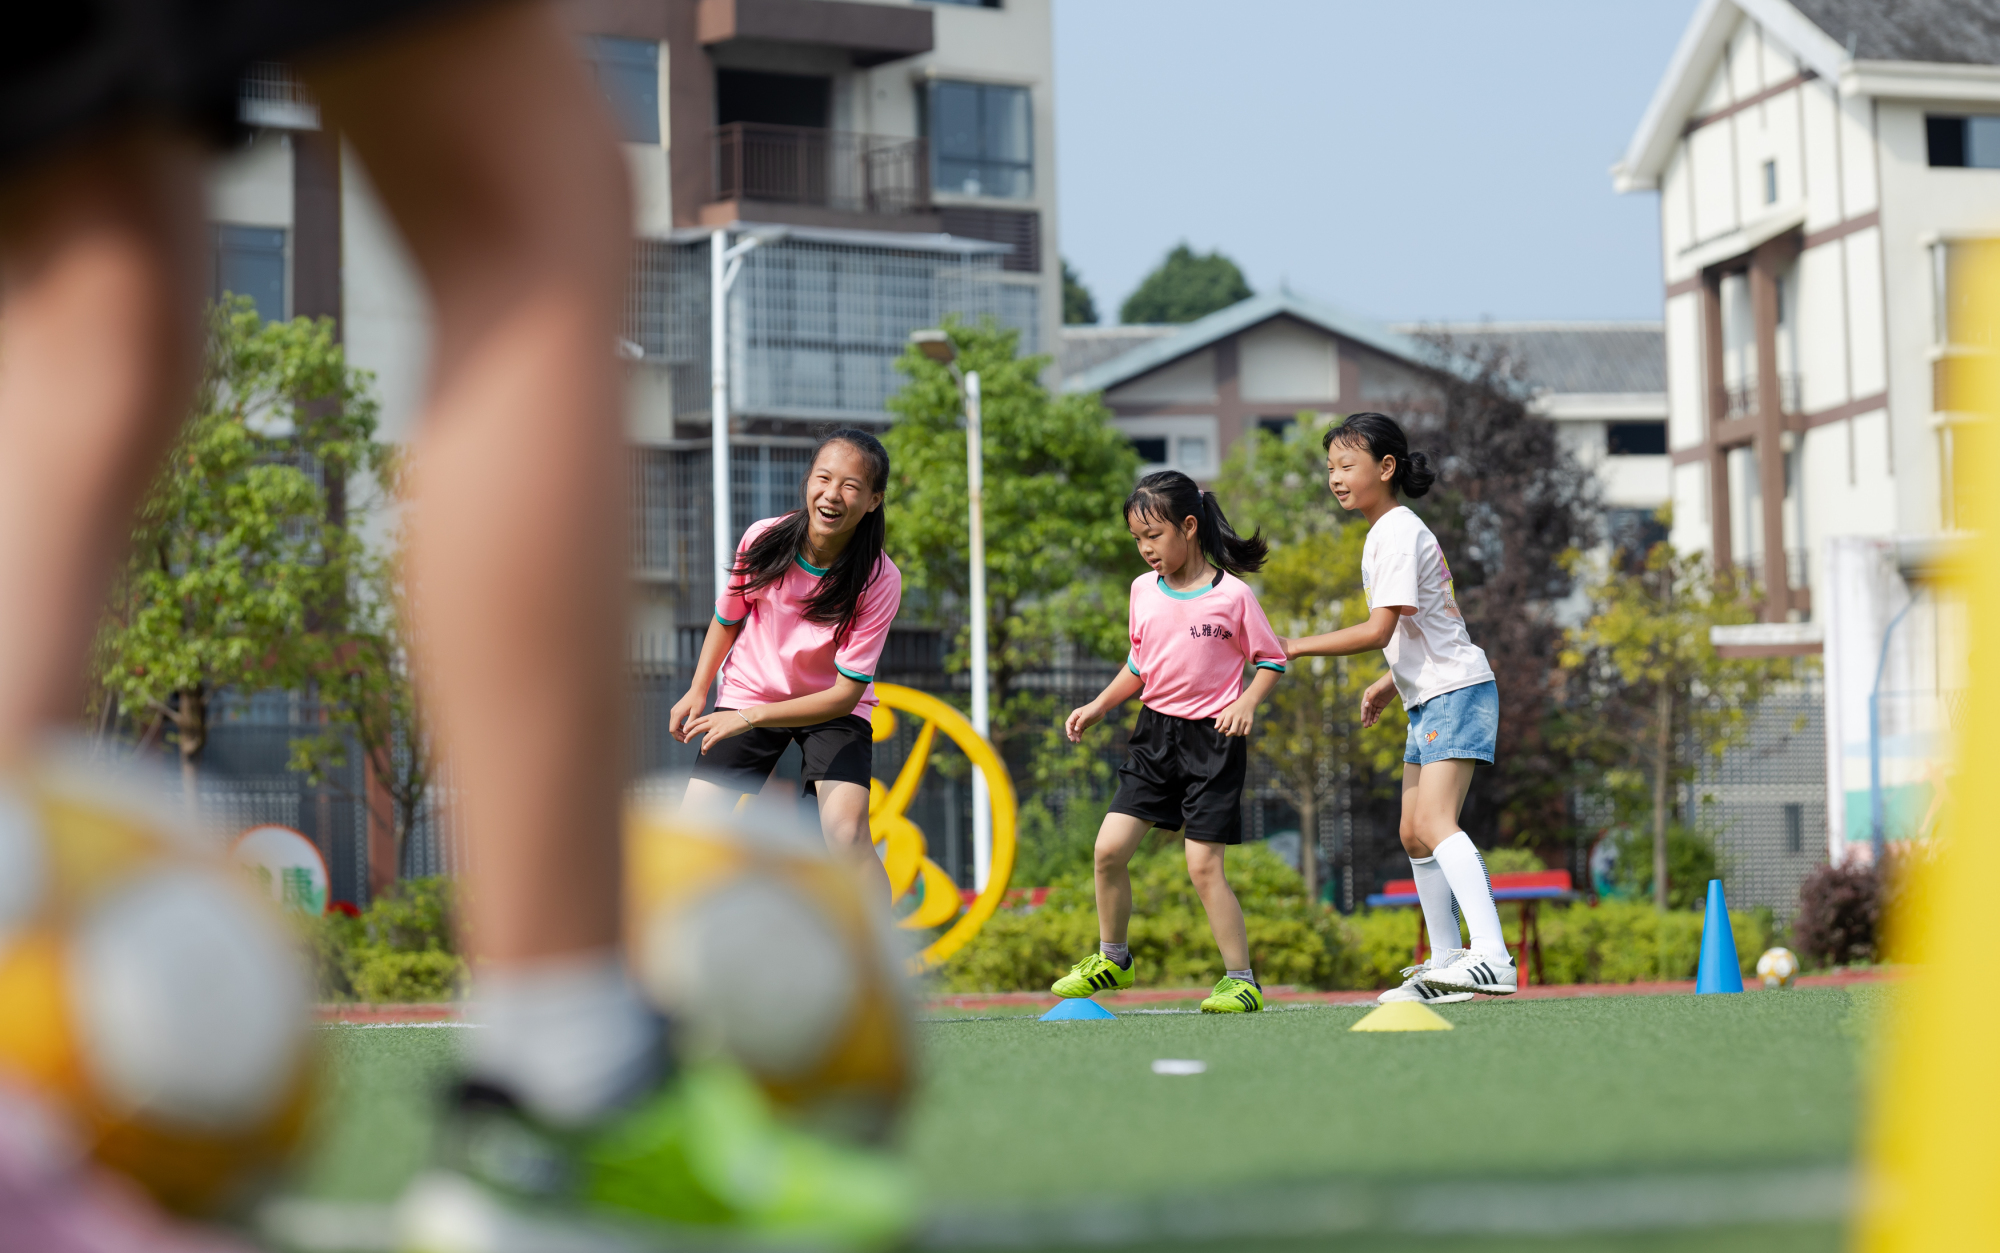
1213,583
810,568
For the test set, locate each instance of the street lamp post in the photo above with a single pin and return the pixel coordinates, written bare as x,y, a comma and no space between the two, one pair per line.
725,262
938,347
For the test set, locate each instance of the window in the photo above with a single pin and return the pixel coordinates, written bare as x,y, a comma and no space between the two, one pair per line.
1770,182
628,73
1280,427
1193,453
1795,828
1152,449
773,99
981,140
250,261
1635,439
1022,229
1963,142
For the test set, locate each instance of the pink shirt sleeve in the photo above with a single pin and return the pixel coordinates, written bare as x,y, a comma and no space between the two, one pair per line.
1260,642
1132,632
732,606
880,600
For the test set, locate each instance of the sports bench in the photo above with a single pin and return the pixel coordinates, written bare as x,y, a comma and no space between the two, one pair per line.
1527,889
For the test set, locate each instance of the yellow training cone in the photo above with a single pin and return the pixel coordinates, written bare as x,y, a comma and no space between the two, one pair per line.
1402,1016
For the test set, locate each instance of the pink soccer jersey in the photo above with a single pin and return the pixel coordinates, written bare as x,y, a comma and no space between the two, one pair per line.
780,655
1190,648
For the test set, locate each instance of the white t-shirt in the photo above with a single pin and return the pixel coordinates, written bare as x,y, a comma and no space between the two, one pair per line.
1430,653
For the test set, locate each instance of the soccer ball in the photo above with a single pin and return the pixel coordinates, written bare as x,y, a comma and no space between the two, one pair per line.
1778,967
148,999
759,947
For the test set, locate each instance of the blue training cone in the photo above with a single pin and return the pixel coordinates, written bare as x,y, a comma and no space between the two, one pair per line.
1719,971
1082,1008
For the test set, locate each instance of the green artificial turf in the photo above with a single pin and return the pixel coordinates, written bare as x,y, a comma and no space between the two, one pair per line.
1057,1120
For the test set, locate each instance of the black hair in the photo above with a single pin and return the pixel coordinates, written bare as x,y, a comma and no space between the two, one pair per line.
838,596
1381,437
1172,496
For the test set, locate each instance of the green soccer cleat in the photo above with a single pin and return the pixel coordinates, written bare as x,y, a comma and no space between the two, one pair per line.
1234,996
699,1158
1095,973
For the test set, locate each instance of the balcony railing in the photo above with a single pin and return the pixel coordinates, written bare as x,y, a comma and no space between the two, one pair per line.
1740,399
841,170
269,94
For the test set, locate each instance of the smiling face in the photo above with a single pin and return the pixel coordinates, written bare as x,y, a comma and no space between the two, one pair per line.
1357,480
840,491
1165,547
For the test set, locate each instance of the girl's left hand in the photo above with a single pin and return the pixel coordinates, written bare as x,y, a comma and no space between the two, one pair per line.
1236,720
716,727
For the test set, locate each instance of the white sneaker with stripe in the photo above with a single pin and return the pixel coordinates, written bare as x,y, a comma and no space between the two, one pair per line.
1415,989
1468,971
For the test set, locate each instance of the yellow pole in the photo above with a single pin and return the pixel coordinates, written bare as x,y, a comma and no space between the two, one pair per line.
1932,1142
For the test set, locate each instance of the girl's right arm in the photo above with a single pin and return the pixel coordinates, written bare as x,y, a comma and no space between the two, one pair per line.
714,647
1115,693
1363,637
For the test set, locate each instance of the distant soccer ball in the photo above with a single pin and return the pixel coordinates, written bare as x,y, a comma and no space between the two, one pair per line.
760,947
146,995
1778,967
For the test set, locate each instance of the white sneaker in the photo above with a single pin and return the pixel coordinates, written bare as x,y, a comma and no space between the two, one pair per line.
1467,971
1415,989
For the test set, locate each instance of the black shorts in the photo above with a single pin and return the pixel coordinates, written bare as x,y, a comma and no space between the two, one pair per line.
71,68
839,750
1182,772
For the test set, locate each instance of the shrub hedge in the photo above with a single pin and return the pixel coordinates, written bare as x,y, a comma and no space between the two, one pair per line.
401,948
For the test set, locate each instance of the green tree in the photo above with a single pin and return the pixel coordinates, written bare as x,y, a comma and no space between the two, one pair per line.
1058,557
1309,732
368,693
242,552
1185,287
1648,693
1079,309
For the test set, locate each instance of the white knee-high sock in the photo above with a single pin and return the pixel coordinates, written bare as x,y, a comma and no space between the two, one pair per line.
1434,896
1465,870
568,1036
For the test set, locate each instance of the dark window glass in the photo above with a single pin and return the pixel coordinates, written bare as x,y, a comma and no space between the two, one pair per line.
773,99
1152,449
628,73
981,140
1636,439
1022,229
1946,139
912,651
1632,534
250,261
1963,142
1279,427
1770,182
1795,828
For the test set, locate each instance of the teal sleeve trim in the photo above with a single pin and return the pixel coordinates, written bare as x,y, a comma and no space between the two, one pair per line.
858,678
1271,665
1134,669
725,621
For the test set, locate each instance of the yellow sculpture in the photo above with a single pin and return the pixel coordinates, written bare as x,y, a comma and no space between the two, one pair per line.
904,853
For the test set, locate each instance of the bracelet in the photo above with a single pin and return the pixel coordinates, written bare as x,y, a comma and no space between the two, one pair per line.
746,718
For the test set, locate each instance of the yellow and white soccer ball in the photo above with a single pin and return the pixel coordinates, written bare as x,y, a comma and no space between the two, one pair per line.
1778,967
760,947
147,996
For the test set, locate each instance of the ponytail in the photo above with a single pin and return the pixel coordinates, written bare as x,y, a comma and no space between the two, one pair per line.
1172,496
1380,437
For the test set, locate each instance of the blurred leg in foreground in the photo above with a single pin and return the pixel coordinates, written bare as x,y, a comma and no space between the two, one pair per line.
490,149
101,282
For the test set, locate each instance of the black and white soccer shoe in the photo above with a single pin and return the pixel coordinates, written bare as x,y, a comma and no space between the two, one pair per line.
1415,989
1468,971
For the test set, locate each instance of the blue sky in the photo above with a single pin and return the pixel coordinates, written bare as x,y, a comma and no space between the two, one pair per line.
1403,159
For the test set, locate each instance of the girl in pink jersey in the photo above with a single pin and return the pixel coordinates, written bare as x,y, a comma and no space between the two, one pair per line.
1195,627
796,636
1448,690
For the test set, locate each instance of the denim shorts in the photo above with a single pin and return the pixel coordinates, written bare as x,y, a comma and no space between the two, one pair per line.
1456,725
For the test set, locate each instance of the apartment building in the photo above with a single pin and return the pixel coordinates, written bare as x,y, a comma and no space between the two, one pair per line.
1818,165
896,158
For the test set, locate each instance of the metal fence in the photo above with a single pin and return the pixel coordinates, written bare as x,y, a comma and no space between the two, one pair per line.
855,173
1765,799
